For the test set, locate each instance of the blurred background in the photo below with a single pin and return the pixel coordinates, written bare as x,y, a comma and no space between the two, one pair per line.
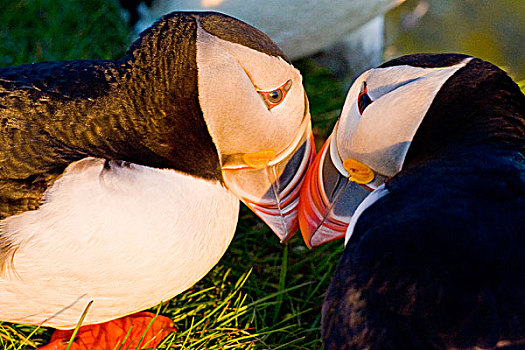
491,30
262,295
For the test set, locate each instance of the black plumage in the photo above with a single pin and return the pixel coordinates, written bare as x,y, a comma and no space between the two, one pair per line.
439,262
142,108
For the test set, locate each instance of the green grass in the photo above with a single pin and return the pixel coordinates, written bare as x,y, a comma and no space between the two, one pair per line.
48,30
261,295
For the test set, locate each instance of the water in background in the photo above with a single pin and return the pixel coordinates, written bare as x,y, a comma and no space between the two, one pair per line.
493,30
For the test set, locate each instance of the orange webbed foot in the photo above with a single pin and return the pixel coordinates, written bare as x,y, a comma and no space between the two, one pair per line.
112,335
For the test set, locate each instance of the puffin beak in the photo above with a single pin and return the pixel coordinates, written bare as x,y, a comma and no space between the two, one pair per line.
328,198
269,182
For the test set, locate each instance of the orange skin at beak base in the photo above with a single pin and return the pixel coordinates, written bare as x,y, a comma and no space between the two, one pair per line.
283,217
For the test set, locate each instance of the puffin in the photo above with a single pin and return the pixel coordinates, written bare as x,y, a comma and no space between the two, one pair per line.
120,180
350,32
424,176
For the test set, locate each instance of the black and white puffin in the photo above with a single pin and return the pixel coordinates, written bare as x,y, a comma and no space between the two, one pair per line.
120,180
435,254
351,30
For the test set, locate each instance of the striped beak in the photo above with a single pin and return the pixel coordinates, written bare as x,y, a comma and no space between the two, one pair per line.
269,183
328,198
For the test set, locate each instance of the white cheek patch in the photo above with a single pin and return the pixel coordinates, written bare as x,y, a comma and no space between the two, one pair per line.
401,98
229,76
223,87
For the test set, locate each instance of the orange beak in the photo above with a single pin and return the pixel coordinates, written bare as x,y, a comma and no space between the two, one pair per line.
327,200
270,183
281,212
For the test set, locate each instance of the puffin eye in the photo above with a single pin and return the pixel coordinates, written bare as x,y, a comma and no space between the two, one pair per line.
363,100
275,97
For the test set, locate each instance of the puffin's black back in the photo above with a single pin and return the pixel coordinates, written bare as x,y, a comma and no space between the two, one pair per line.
143,108
439,262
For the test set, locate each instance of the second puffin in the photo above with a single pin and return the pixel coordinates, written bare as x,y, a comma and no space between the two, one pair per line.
434,256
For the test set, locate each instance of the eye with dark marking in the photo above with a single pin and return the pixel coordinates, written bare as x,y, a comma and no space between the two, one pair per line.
275,97
363,100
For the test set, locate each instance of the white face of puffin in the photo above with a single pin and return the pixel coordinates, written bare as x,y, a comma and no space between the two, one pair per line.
257,113
382,112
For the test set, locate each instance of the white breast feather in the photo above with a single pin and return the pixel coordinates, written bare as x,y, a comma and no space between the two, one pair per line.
126,237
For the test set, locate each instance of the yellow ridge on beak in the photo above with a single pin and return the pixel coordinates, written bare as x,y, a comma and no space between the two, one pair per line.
269,182
259,160
358,172
329,198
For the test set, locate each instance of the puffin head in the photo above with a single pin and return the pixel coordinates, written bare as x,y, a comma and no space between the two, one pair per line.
257,113
238,112
375,138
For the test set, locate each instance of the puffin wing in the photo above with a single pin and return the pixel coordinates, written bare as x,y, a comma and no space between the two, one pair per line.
35,102
437,265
